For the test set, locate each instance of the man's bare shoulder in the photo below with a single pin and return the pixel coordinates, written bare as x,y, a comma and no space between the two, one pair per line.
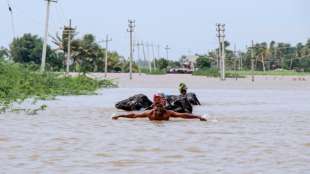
171,113
147,112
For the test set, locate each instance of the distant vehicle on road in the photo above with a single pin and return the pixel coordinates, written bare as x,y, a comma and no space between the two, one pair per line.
180,71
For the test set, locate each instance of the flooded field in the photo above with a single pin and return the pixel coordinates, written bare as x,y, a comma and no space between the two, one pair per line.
250,130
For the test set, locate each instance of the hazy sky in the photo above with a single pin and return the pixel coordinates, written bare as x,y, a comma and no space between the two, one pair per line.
187,26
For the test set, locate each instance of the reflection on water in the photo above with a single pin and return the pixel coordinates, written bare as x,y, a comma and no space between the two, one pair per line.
249,131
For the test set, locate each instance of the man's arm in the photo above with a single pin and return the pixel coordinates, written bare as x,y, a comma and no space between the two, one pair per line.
186,116
132,115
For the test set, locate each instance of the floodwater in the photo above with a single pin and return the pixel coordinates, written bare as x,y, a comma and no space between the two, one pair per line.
249,131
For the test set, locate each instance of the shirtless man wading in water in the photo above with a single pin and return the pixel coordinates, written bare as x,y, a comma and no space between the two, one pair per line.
159,113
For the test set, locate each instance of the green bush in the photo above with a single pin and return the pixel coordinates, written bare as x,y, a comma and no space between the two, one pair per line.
19,82
210,72
203,62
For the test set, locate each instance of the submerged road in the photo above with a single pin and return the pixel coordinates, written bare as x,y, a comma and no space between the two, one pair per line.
250,130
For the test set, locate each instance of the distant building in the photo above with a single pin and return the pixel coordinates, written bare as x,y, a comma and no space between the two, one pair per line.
189,62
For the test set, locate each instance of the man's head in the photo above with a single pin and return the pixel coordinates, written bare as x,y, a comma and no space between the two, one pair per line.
159,103
183,88
159,98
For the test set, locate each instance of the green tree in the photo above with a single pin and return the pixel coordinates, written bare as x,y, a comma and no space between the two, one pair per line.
174,64
162,63
261,53
4,53
28,49
125,66
114,62
203,62
87,54
62,41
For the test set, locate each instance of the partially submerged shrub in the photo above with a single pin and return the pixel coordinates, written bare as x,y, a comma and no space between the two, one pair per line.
19,82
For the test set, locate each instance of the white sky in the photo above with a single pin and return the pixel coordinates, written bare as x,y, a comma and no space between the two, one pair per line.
187,26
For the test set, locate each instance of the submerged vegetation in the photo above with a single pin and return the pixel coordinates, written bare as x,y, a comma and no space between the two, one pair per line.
213,72
19,82
156,71
279,72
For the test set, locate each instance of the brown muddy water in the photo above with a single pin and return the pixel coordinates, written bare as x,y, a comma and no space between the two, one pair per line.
249,131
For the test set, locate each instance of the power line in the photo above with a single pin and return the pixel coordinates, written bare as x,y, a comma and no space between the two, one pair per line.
61,12
23,14
54,21
12,18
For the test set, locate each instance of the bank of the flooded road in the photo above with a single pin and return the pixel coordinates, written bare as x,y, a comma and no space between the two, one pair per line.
251,129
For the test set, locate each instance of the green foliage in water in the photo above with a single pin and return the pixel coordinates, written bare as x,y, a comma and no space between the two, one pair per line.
19,82
280,72
210,72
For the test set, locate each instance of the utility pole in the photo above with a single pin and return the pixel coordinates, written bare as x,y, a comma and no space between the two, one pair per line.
158,51
218,29
68,30
154,58
252,61
139,60
167,51
107,40
69,47
46,34
241,57
131,27
223,58
144,55
235,62
221,35
148,56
